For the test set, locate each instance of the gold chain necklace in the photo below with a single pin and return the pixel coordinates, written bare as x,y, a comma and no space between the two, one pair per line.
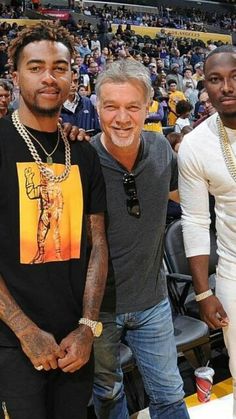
49,155
42,166
226,149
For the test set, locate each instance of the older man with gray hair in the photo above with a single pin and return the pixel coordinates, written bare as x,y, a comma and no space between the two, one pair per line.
139,169
6,89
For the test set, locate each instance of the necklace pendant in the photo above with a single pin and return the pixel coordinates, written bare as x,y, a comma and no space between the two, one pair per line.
49,160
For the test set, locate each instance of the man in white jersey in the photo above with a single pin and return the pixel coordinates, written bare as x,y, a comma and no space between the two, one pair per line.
207,163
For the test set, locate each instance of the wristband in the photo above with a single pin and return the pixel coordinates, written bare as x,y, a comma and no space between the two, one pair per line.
203,295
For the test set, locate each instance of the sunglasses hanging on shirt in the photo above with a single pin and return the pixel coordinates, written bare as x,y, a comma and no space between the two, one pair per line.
132,202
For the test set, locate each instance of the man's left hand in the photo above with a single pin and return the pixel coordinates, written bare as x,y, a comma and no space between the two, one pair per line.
77,345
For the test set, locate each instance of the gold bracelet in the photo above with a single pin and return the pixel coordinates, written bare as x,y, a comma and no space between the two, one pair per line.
203,295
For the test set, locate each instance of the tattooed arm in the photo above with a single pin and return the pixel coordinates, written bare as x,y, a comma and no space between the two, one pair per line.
40,346
97,268
78,344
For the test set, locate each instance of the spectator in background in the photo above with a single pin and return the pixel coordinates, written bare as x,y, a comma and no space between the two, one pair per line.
96,55
155,115
82,90
174,139
78,62
183,110
198,75
102,28
173,208
78,110
95,43
103,57
176,58
191,95
153,72
3,57
174,97
174,75
84,48
6,89
188,79
162,95
203,108
84,66
161,69
146,60
197,56
77,43
93,72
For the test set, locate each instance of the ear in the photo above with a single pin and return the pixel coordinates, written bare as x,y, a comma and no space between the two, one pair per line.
98,108
15,78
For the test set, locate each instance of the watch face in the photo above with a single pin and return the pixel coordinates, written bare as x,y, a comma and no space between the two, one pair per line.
98,329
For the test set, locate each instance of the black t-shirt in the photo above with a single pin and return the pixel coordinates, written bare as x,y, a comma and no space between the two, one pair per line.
43,239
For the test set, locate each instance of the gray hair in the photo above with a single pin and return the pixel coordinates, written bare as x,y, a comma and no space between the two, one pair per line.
6,85
125,70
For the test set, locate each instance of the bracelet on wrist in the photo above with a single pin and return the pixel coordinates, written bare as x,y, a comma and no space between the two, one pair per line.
203,295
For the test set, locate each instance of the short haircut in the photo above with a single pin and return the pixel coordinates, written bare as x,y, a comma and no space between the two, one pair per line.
73,70
47,31
185,130
6,85
183,106
122,71
174,138
223,48
171,81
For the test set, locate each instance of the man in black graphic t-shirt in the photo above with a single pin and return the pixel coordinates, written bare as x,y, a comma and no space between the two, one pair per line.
48,308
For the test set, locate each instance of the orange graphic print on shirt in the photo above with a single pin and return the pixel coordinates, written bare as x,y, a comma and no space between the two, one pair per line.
50,215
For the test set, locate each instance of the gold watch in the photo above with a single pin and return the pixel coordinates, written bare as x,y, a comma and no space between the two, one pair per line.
95,326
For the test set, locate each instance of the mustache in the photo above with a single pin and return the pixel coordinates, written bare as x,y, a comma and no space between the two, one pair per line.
224,98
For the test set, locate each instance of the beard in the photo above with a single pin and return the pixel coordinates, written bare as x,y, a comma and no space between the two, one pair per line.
228,115
122,142
39,110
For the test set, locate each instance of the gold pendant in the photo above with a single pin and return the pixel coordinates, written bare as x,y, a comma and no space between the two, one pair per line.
49,160
4,408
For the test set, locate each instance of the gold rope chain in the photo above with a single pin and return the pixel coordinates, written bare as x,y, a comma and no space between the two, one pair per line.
226,149
42,166
49,155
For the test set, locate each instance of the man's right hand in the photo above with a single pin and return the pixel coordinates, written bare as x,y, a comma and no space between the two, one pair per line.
213,313
41,348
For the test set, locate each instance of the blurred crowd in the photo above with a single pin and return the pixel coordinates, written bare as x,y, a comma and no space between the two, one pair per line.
175,66
190,18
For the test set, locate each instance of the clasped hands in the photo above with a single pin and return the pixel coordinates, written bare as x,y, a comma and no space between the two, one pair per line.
45,353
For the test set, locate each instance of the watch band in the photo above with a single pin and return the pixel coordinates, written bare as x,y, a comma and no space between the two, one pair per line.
203,295
95,326
88,322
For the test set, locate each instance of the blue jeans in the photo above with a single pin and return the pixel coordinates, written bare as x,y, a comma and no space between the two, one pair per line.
150,336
